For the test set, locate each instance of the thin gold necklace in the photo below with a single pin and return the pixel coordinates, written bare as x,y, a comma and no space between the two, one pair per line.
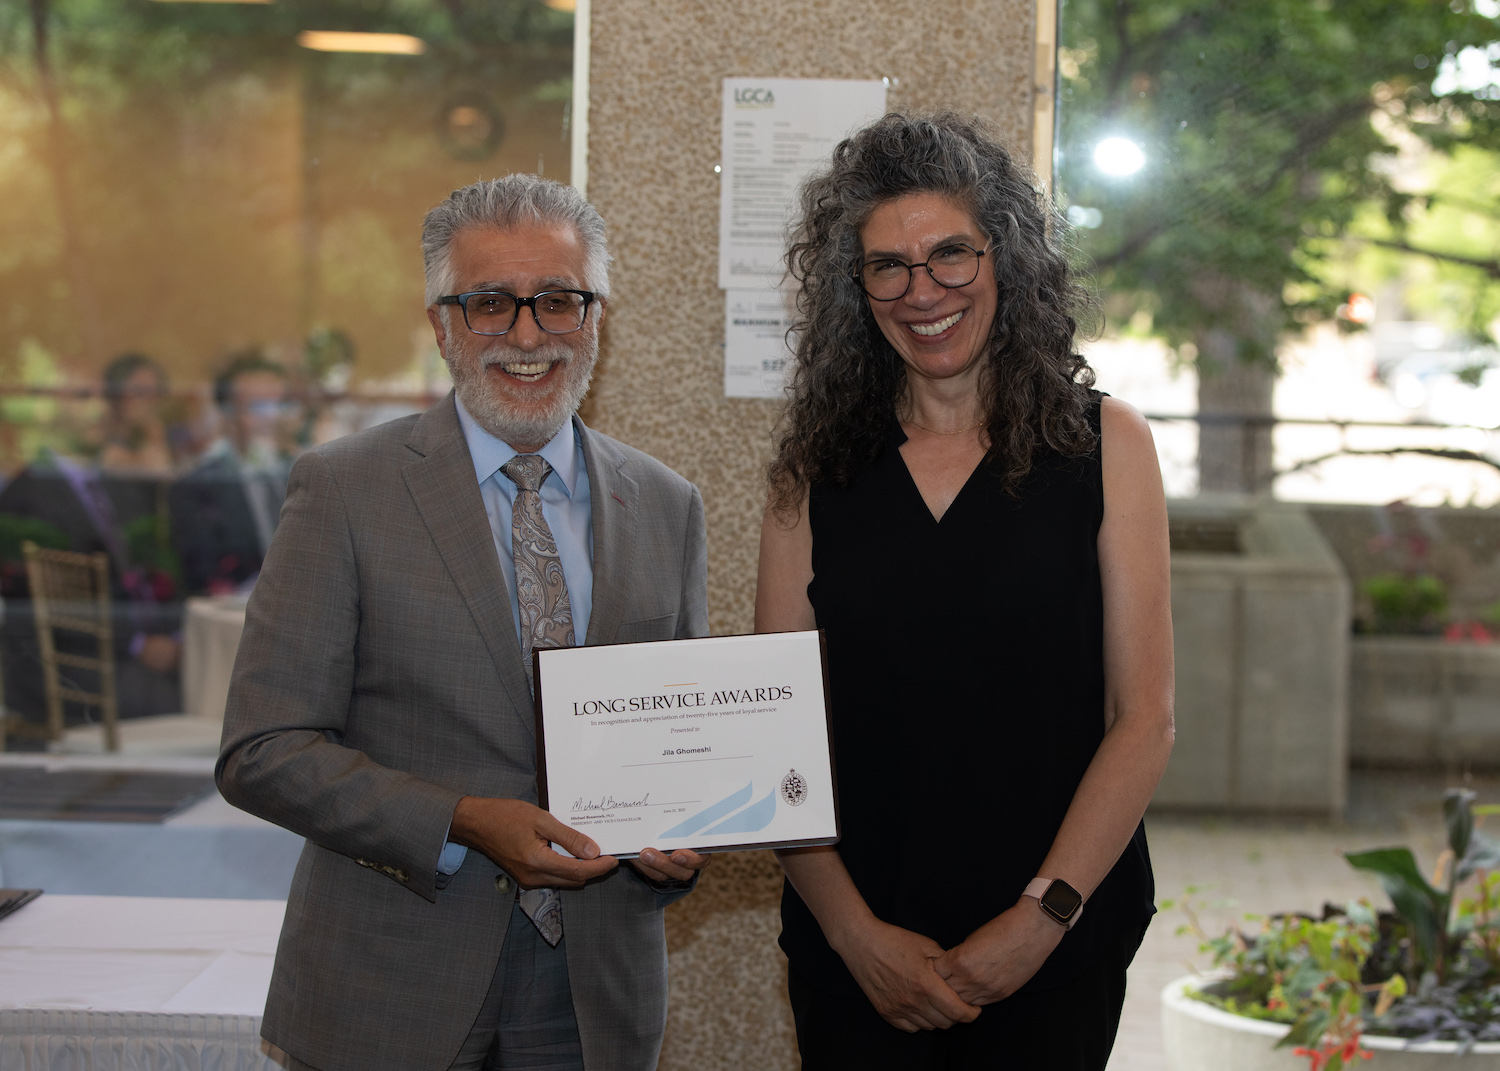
934,431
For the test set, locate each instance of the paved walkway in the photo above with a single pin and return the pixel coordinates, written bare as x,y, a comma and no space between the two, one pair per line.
1259,867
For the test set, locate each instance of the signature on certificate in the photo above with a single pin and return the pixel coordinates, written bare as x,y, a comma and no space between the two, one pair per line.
609,803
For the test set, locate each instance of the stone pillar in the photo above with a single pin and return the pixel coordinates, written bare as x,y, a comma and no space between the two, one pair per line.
656,68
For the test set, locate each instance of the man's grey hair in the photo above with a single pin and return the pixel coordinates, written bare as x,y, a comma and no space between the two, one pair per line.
505,203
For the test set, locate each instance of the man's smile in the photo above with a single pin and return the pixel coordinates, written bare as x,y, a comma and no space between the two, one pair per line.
525,371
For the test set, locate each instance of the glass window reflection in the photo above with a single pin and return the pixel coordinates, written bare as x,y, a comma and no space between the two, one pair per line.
208,262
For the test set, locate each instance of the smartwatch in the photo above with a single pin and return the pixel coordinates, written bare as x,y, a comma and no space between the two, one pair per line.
1058,900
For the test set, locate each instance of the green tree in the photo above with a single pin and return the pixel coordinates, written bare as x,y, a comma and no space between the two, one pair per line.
1442,246
1270,130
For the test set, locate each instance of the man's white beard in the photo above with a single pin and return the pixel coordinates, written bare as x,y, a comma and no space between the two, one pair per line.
540,422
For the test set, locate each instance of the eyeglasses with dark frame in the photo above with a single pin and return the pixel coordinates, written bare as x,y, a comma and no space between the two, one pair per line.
494,312
889,279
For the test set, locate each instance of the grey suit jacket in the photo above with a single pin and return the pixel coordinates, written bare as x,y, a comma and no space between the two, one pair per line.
379,680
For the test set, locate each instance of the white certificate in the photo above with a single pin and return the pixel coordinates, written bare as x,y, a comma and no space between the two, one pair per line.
712,744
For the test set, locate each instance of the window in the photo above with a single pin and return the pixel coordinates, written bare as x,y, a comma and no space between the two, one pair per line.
209,261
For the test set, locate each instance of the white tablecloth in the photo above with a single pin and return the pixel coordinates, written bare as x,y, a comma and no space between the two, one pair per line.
210,637
123,983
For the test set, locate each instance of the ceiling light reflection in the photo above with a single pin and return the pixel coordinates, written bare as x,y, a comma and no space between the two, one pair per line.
342,41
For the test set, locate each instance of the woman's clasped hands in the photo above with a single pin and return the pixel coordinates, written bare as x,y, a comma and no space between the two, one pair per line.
896,970
917,985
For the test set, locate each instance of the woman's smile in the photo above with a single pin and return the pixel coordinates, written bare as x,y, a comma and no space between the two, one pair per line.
939,327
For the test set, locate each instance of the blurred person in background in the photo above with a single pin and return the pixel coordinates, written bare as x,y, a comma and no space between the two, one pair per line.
224,511
136,464
116,507
134,431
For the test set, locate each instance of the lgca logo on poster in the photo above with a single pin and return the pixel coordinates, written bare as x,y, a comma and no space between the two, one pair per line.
754,98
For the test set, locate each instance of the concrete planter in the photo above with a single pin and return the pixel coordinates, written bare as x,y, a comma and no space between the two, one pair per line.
1199,1037
1419,702
1260,615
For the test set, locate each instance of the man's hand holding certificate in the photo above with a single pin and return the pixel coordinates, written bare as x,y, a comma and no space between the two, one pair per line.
711,744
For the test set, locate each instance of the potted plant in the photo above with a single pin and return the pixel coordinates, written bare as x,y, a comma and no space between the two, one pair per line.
1406,603
1412,987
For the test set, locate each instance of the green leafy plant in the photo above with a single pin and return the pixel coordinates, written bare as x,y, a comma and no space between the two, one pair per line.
1427,909
149,543
1335,978
15,530
1406,602
1305,972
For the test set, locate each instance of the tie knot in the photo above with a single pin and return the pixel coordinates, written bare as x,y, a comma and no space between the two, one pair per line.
526,471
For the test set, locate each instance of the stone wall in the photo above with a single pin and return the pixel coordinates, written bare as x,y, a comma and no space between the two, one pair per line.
1423,703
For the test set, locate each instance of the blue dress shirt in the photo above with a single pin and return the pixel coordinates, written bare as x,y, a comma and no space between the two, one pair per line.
567,508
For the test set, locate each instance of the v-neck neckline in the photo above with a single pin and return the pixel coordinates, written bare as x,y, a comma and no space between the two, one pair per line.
898,439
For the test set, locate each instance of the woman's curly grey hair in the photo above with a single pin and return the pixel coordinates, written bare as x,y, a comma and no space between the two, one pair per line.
848,381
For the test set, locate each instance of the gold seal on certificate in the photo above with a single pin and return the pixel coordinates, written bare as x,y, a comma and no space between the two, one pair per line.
712,744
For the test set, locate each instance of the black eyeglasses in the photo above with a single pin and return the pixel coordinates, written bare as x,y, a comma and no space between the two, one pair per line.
494,312
952,266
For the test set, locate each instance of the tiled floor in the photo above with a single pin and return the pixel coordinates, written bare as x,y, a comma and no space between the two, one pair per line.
1242,866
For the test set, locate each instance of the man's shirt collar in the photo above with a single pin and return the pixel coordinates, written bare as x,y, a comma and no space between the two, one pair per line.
489,453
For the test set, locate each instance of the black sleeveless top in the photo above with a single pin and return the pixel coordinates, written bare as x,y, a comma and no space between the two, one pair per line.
966,669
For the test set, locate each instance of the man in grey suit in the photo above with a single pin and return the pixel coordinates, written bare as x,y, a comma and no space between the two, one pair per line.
381,702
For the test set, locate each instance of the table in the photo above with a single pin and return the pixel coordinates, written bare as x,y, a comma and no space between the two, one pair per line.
209,850
211,630
110,983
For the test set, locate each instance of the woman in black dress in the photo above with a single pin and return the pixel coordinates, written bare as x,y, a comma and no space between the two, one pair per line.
983,538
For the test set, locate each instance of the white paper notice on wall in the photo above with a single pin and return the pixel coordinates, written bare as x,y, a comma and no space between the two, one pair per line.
756,357
776,131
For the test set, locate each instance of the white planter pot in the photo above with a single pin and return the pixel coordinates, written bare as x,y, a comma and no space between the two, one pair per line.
1199,1037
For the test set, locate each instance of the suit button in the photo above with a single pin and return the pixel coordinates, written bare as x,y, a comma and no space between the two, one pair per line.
502,883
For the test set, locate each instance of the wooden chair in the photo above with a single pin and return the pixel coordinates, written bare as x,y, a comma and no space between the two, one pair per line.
70,593
12,725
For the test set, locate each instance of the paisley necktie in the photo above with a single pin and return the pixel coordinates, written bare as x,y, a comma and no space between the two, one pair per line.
546,621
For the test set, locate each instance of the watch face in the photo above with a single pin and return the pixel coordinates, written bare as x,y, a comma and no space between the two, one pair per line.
1061,901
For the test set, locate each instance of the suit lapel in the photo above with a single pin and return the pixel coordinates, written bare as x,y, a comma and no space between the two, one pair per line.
441,482
614,499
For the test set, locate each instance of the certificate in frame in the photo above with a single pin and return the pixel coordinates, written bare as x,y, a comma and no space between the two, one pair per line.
715,744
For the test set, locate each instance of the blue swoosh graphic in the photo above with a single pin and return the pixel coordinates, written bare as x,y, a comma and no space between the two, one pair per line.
688,826
751,820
